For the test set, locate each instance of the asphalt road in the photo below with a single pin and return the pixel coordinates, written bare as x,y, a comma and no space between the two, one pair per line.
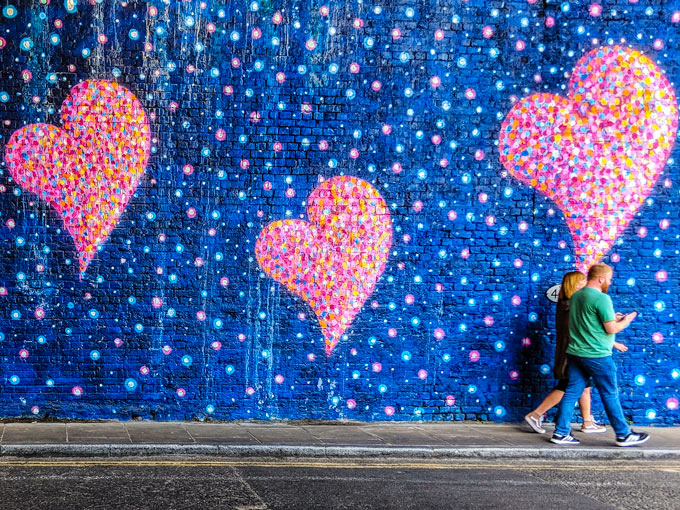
254,484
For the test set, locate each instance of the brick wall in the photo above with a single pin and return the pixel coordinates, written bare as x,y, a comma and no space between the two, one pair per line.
130,283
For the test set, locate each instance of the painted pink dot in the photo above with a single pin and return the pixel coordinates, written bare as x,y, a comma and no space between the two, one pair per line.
11,223
310,44
351,403
376,85
664,224
526,341
216,345
389,411
280,77
159,270
35,409
435,81
516,300
173,106
212,232
386,129
518,263
198,262
156,302
117,342
354,153
3,291
452,215
376,367
520,45
220,134
487,32
224,281
311,356
211,27
615,257
306,108
144,370
277,18
538,78
39,313
436,139
422,374
26,75
301,316
417,206
200,315
667,183
490,220
181,392
483,197
40,268
406,238
514,374
642,232
267,185
675,18
102,39
397,168
488,321
256,33
438,287
658,44
470,94
443,162
474,356
524,226
450,400
438,35
58,23
391,332
354,68
148,47
235,62
191,212
396,33
531,1
353,351
595,10
358,23
167,350
255,117
290,192
279,379
439,334
661,276
465,253
324,10
672,403
374,304
77,391
250,390
23,354
323,145
657,338
479,154
228,90
409,299
244,164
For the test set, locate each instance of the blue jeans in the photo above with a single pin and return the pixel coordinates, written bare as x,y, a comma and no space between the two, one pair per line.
603,372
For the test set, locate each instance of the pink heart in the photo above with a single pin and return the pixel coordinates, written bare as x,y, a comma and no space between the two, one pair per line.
333,261
598,152
89,169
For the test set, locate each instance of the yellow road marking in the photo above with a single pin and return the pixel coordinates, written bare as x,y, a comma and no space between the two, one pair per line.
326,464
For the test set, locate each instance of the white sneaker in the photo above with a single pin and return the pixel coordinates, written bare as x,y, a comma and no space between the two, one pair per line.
592,428
535,424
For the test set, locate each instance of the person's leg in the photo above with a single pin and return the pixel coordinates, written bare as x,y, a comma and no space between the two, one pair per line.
603,372
577,382
551,400
584,404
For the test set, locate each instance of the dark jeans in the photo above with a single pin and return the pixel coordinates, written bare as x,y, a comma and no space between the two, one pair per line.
603,373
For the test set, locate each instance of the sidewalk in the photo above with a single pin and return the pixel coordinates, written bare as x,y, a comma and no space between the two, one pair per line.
302,439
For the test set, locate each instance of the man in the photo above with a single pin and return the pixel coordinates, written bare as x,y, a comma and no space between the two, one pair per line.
593,326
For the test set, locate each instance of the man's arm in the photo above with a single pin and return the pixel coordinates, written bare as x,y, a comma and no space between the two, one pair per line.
615,326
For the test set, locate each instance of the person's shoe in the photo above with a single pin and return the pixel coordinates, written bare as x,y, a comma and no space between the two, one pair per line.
535,424
566,439
590,427
632,439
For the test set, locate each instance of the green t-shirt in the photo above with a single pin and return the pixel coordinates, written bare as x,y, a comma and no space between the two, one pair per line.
589,310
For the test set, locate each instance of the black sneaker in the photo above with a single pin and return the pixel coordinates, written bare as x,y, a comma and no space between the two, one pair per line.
566,439
632,439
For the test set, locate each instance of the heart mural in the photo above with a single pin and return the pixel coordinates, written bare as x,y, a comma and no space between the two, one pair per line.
333,261
598,152
89,169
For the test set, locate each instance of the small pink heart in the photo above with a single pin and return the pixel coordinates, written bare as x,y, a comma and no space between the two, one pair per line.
333,261
598,152
89,169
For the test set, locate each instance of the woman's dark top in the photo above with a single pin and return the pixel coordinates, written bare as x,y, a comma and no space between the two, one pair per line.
562,329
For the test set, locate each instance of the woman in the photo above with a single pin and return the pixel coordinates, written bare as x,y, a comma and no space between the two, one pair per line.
571,282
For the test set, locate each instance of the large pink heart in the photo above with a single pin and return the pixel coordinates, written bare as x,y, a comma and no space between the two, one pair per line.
598,152
333,261
89,169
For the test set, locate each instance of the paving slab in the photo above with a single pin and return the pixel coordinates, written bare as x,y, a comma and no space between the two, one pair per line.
158,433
34,433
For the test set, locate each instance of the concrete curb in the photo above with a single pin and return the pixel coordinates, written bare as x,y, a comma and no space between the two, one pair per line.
279,451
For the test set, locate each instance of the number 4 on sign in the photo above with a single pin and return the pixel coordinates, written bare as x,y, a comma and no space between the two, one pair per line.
553,293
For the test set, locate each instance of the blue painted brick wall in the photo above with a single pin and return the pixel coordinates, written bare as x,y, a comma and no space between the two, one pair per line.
102,334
